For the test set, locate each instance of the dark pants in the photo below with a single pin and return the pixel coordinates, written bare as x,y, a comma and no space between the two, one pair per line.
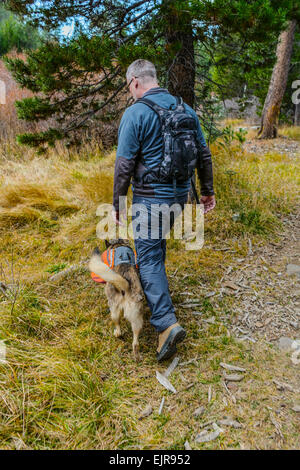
150,226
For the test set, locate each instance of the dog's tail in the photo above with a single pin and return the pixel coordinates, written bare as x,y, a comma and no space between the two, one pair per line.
97,266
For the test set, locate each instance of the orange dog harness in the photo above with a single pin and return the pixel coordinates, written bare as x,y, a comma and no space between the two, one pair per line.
114,256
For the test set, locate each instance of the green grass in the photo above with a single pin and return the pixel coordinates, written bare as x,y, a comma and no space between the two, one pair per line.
56,268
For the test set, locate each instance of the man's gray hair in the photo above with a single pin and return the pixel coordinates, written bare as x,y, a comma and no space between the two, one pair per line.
142,69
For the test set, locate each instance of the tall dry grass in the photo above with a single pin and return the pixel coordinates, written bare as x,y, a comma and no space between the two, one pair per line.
10,125
293,132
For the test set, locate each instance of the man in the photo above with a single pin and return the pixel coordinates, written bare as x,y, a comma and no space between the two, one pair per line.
140,134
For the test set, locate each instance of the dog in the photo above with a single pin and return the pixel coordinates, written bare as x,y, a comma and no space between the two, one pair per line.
123,288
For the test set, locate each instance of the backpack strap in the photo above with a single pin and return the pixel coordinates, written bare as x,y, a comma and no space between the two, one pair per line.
155,107
180,105
160,112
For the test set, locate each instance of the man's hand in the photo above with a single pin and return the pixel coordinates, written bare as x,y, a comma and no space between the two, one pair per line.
209,203
118,217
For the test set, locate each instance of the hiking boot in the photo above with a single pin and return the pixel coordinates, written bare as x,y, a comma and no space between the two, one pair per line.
167,341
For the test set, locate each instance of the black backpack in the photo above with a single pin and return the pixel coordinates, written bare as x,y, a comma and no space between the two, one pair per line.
181,146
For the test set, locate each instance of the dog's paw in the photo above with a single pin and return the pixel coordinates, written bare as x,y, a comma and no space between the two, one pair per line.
136,354
137,357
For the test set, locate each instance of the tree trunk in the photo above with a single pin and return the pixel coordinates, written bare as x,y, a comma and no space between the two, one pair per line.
181,64
297,115
180,48
271,110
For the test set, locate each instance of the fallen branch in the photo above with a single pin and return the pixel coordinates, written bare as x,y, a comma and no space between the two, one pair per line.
71,269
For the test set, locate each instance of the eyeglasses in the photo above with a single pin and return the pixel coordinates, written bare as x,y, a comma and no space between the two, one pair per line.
131,81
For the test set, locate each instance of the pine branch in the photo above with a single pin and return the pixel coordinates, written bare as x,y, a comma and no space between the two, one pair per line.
72,127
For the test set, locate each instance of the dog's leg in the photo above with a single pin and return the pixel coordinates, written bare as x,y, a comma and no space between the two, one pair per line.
133,314
115,312
136,329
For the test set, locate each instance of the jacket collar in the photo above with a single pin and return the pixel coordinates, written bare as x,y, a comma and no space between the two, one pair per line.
155,90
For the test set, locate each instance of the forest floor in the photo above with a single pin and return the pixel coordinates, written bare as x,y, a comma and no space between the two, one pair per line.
67,383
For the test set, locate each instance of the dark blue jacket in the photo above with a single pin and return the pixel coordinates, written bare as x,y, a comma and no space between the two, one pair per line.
140,132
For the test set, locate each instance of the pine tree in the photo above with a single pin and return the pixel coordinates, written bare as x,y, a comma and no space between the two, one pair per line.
80,80
14,34
249,70
278,83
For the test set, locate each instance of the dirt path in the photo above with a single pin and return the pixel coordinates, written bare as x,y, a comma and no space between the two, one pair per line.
281,145
265,299
266,295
